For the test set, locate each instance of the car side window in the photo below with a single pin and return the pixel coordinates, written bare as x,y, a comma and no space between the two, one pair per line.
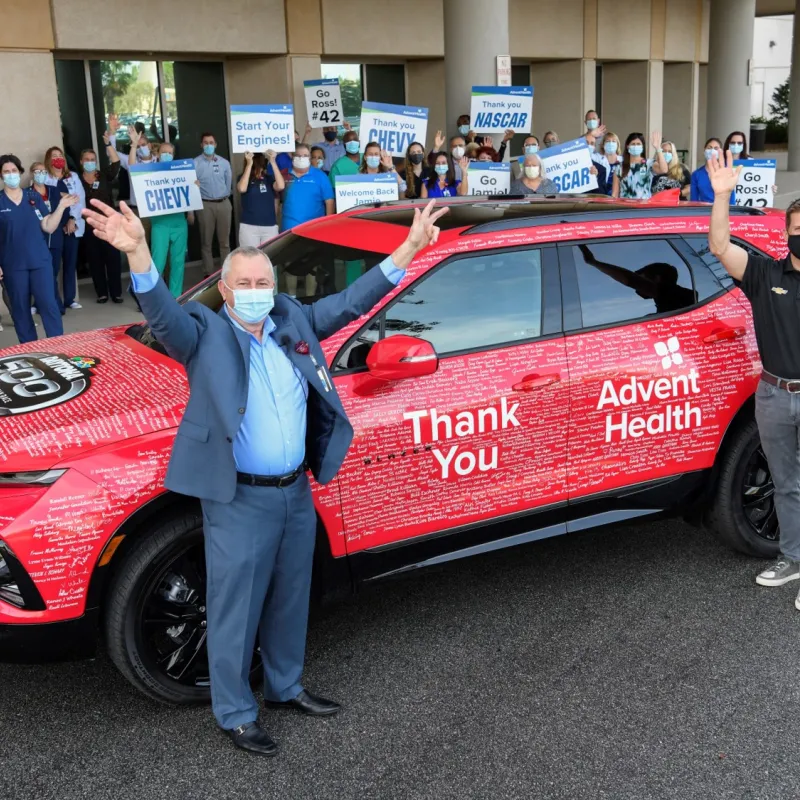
701,247
478,301
622,281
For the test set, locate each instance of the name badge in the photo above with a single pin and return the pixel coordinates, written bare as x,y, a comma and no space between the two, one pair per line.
262,188
38,214
216,168
96,185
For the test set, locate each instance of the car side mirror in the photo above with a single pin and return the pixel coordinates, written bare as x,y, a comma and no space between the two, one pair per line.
398,357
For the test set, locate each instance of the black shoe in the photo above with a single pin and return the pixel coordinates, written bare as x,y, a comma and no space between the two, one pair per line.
102,299
116,299
308,704
254,738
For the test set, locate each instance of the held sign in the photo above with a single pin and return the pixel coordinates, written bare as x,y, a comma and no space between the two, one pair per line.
256,129
166,187
569,166
323,102
754,187
356,190
393,127
497,108
489,177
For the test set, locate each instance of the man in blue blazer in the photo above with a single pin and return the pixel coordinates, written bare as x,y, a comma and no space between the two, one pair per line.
262,409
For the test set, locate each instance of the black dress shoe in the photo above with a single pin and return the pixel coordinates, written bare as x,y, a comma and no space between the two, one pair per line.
116,300
308,704
253,737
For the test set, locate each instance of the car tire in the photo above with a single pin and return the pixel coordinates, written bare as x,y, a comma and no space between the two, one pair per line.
727,516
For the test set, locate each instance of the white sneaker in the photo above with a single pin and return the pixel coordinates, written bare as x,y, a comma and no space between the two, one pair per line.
779,573
75,305
33,310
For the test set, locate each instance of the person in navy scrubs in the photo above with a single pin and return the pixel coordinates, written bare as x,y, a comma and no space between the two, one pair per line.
25,265
51,195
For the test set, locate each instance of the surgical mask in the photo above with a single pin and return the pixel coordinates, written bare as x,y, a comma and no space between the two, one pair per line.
610,148
667,156
330,136
416,158
458,152
165,157
144,151
532,172
635,149
209,149
736,148
373,162
711,152
591,124
301,162
40,176
794,245
550,142
59,163
353,146
441,169
252,305
11,179
318,163
89,166
531,149
463,129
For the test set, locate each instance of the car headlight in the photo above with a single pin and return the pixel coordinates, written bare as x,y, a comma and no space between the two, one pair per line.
16,586
40,478
9,588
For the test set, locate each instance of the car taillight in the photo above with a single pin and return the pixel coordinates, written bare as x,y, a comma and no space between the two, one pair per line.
40,478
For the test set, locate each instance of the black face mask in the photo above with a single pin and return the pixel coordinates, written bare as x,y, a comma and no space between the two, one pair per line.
794,245
416,158
330,136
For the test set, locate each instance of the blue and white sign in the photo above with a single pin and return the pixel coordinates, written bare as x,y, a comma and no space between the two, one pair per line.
166,187
357,190
256,129
323,102
498,108
569,166
393,127
489,177
754,187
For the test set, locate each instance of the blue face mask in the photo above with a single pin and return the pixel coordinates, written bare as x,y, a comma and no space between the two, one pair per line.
667,156
11,179
165,157
736,148
710,153
531,149
610,148
353,146
209,149
463,129
635,149
89,166
39,177
252,305
144,151
373,162
591,124
441,169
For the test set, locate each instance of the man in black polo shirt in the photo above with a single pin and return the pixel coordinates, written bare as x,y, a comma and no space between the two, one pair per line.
773,289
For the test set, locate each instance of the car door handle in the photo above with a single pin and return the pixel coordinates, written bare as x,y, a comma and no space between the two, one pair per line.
725,335
530,383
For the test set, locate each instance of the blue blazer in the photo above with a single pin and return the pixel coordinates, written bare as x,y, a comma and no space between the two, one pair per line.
216,355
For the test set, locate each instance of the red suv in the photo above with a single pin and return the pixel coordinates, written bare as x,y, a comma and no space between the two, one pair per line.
551,365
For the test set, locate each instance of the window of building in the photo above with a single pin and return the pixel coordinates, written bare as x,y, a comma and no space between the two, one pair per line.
352,87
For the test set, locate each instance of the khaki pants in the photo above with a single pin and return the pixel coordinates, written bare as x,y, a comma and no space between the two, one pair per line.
214,217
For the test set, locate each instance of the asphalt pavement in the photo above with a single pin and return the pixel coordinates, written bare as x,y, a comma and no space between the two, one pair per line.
639,662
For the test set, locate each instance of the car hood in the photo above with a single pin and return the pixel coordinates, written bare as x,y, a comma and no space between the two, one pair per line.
61,397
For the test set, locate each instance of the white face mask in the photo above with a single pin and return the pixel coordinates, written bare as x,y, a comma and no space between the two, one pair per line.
301,162
532,172
458,152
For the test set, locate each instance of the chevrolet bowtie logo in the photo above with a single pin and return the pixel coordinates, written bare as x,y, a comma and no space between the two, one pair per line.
780,290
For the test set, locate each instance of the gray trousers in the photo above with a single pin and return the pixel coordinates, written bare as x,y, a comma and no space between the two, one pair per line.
214,217
778,418
259,553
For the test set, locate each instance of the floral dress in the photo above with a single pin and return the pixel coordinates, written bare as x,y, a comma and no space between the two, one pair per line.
636,184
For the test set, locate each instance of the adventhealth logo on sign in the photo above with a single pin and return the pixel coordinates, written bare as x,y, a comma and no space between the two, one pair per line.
669,352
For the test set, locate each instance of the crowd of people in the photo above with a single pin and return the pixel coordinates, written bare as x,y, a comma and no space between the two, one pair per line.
43,235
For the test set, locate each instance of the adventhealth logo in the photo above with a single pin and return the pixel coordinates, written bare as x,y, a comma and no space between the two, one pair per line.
669,352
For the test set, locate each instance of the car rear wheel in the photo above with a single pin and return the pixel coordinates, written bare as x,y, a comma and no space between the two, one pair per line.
155,616
742,512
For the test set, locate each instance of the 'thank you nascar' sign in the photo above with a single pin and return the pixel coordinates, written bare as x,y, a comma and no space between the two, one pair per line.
393,127
497,108
255,129
489,177
166,187
569,166
754,187
323,102
356,190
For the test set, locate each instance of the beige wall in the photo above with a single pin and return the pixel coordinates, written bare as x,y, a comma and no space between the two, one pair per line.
625,93
33,126
425,87
545,29
304,26
623,31
26,24
702,108
677,125
413,28
235,26
557,98
682,23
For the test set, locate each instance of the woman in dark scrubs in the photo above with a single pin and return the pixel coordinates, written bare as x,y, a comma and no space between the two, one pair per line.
25,265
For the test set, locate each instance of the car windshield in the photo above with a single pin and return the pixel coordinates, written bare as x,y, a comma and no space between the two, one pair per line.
306,268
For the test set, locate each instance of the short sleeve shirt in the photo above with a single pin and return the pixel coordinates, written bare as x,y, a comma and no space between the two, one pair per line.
22,244
304,197
773,289
258,202
448,190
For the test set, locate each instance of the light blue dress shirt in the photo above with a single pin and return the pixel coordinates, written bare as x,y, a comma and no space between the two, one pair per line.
214,175
272,436
333,151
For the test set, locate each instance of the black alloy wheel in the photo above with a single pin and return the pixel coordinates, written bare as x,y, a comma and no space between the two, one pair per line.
758,497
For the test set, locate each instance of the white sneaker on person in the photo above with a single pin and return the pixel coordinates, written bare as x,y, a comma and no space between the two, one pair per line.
75,305
779,573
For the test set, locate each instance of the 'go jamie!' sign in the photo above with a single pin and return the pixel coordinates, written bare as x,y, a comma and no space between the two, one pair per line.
754,187
569,166
323,102
497,108
255,129
393,127
356,190
166,187
489,177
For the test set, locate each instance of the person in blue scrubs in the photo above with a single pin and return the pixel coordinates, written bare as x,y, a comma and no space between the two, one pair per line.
443,181
701,182
25,265
51,195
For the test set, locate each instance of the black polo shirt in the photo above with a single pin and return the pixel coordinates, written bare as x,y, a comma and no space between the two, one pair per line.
773,289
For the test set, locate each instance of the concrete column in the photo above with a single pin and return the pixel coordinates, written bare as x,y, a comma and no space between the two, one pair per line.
794,96
655,97
730,48
588,86
470,49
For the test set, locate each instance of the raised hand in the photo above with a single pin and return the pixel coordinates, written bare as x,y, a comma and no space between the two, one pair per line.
133,135
438,140
655,139
308,130
113,123
347,126
509,135
67,200
386,159
423,229
723,174
488,142
248,157
271,155
106,138
121,230
464,164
